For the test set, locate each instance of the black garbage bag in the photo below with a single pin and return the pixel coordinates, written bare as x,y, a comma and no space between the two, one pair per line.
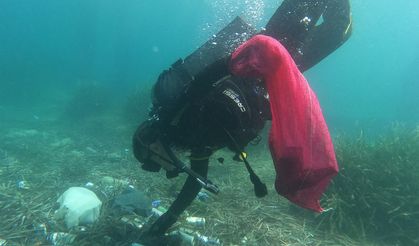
130,201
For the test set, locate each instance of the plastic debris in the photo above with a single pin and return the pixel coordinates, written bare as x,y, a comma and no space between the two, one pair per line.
78,206
3,242
244,240
306,20
202,196
61,238
155,203
191,238
133,221
89,185
81,228
22,185
40,230
110,181
40,234
196,221
187,239
158,211
204,240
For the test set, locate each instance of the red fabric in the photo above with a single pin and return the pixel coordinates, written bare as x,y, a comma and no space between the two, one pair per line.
299,139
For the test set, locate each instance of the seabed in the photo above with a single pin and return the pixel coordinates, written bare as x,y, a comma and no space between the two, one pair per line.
374,194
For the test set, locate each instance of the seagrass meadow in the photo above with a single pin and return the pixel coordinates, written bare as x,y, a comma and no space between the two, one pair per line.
372,201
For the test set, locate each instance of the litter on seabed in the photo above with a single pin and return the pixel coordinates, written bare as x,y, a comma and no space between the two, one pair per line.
3,242
191,238
78,206
61,238
196,221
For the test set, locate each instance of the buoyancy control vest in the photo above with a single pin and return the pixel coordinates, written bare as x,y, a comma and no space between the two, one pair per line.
210,106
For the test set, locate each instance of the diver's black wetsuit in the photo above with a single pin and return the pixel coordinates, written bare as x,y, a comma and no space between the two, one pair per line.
202,129
296,25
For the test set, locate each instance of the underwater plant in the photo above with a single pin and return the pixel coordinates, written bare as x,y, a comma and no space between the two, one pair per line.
375,194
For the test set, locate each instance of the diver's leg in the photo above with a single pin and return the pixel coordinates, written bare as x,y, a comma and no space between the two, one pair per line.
326,37
294,24
191,188
289,26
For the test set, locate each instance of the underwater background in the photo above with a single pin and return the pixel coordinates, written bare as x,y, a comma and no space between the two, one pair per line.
47,47
75,78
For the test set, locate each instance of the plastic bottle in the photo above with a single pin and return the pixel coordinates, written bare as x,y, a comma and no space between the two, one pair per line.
61,238
196,221
207,241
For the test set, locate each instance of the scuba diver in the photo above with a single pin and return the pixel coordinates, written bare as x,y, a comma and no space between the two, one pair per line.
222,94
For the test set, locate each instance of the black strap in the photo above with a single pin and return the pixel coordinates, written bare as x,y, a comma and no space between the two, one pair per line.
259,187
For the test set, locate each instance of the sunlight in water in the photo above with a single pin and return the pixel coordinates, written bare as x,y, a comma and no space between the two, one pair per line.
226,10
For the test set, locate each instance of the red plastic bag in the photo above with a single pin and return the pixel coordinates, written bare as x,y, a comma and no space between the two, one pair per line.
299,140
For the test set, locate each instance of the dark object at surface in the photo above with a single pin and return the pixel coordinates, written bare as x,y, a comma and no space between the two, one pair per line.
132,200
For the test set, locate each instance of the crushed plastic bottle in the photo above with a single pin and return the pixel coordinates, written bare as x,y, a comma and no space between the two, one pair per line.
158,211
133,221
207,241
196,221
61,238
192,238
187,239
